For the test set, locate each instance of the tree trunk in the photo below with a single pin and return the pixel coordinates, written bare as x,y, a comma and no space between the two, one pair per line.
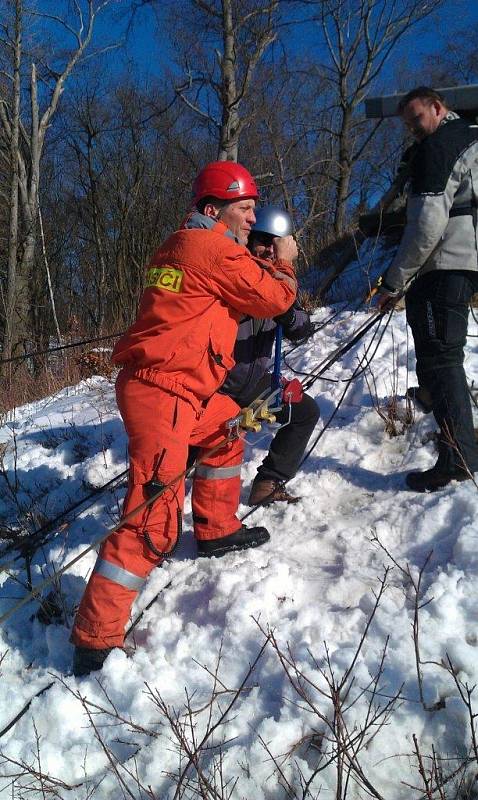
345,172
229,132
100,254
11,288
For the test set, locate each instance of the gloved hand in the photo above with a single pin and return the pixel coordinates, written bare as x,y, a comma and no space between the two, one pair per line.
287,318
304,332
292,391
386,301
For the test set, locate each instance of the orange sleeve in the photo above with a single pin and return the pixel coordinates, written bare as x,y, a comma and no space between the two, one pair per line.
254,287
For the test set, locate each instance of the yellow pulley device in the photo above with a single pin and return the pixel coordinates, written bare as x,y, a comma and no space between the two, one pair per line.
259,411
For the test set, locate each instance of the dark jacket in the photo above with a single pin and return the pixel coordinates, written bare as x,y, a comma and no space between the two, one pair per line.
441,213
253,350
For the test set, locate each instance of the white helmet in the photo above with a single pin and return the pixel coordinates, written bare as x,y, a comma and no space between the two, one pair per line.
272,220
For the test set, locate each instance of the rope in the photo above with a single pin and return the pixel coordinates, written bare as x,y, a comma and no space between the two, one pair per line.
355,374
60,347
52,522
340,351
185,473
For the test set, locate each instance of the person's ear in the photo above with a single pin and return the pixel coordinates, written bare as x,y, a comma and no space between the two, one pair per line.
210,210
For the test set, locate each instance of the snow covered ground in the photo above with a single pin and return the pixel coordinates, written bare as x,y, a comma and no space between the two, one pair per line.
323,711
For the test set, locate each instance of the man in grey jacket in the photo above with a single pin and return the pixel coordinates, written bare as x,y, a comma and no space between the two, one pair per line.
439,250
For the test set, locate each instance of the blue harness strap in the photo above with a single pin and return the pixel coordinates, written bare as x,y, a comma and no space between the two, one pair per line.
276,376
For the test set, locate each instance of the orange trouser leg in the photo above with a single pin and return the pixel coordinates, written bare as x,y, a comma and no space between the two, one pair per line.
217,479
159,427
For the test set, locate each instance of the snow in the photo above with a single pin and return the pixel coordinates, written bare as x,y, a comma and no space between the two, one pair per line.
306,597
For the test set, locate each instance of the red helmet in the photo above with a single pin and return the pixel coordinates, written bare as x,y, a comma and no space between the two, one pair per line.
225,180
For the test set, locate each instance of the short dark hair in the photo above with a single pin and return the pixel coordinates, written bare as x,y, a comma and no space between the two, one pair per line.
204,201
425,93
264,236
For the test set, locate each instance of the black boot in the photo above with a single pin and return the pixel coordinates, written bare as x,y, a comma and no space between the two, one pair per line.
432,479
422,397
239,540
86,660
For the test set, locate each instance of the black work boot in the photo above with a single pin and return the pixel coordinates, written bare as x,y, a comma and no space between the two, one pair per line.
421,397
265,491
241,539
86,660
432,479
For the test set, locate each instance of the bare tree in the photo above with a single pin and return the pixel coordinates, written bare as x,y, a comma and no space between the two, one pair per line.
129,178
232,38
27,143
9,297
458,62
359,37
288,148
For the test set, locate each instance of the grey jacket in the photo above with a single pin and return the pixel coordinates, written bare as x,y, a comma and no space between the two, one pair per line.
441,229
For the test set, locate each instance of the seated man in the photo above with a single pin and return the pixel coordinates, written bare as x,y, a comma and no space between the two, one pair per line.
251,376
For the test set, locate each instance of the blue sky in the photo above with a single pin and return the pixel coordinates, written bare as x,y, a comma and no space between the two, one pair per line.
151,52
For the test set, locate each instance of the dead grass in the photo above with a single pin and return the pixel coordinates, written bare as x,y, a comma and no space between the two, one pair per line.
25,383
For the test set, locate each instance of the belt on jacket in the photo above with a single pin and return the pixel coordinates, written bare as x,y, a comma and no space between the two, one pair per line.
461,211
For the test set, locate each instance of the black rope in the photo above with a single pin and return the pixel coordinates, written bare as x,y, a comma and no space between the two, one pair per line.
24,709
328,362
60,347
318,326
355,374
47,526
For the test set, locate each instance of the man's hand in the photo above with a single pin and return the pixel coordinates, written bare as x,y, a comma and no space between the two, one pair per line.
285,248
386,301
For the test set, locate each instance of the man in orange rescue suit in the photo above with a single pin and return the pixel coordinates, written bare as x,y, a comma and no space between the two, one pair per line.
174,358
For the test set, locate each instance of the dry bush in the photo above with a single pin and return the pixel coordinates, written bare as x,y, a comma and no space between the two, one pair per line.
27,382
308,301
334,743
95,362
21,387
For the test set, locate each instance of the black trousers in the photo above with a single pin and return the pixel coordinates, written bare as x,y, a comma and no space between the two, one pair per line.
289,443
437,312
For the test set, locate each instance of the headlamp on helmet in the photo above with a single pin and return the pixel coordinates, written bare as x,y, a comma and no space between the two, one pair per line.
273,221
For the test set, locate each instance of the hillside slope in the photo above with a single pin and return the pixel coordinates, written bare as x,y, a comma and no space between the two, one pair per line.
307,596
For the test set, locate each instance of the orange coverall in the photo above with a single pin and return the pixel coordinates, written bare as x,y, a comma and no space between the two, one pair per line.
174,358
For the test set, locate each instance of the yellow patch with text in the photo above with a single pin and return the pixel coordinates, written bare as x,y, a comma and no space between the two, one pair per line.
164,278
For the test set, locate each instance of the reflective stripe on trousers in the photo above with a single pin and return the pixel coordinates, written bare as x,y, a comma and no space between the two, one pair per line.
217,473
118,575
